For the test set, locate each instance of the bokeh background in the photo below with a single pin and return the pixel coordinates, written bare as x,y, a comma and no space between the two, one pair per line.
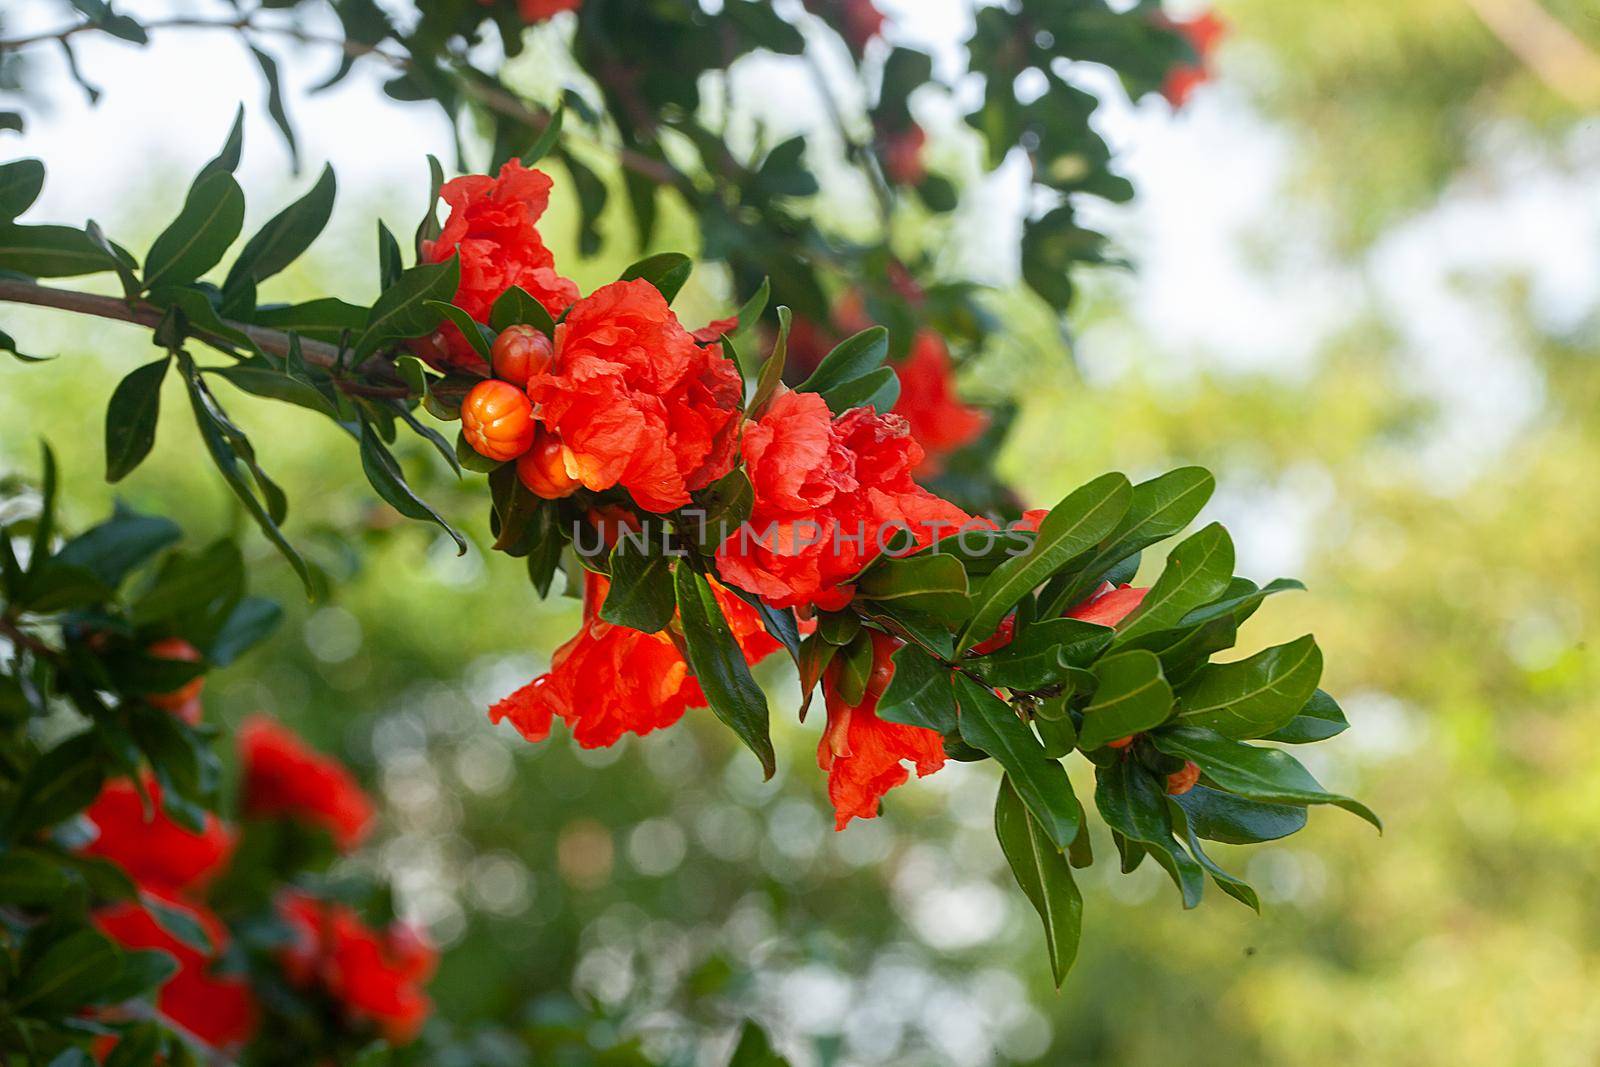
1366,291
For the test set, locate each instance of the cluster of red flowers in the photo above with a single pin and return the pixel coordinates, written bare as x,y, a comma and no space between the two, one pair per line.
208,997
622,395
375,976
828,494
1203,33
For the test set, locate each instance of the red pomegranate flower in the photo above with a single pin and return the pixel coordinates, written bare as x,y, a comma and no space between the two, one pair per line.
539,10
902,155
859,21
1203,33
491,224
940,422
635,401
154,850
829,493
611,680
218,1009
864,755
375,976
283,778
1108,606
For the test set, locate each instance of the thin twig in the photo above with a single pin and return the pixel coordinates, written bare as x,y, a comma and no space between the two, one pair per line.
144,313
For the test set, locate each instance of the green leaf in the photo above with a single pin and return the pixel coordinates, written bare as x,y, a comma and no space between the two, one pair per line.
642,595
51,251
919,693
1073,526
1160,507
1044,875
878,390
515,307
667,271
1044,654
933,584
1239,604
1219,816
1197,572
1133,803
222,439
720,668
326,319
31,876
275,105
384,473
178,921
404,310
755,1049
21,181
1132,697
1235,887
60,783
212,216
1268,774
1320,719
547,139
111,549
69,973
8,344
855,668
853,358
131,418
252,621
227,160
286,235
772,370
390,263
1253,697
989,724
143,971
470,328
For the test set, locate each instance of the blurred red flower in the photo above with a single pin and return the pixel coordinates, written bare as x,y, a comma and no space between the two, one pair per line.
375,976
864,755
154,850
940,422
635,401
284,778
902,155
218,1009
539,10
611,680
184,702
859,21
828,494
491,223
1203,33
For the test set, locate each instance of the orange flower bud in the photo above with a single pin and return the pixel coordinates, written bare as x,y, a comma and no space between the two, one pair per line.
183,700
1180,782
1121,742
497,420
519,353
543,468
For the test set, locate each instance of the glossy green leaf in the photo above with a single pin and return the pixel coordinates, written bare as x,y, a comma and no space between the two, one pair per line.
989,724
720,667
1159,508
51,251
31,876
1320,719
131,418
642,595
384,473
1268,774
1218,816
472,330
516,307
1133,803
667,271
68,973
772,370
404,308
1197,572
919,693
60,783
1132,696
936,585
1044,875
21,181
1073,526
1255,696
212,216
1045,653
853,358
286,235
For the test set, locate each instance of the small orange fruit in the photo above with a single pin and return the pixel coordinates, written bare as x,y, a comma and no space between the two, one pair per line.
497,420
519,353
543,468
1180,782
